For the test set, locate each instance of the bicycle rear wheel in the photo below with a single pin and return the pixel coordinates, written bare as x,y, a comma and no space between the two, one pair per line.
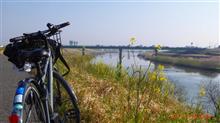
27,105
65,101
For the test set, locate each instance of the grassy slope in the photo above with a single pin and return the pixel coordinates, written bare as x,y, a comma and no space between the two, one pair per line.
105,98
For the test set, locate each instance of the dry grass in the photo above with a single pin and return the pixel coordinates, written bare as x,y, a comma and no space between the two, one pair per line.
1,51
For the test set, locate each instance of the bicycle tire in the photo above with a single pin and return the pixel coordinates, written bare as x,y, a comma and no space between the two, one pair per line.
27,94
59,80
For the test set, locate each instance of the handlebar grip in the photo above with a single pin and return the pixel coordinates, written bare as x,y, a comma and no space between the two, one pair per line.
16,39
63,25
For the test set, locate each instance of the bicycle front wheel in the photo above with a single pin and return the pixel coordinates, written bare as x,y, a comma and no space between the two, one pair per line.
65,101
27,105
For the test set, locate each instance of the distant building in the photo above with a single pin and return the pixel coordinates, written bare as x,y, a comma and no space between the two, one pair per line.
73,43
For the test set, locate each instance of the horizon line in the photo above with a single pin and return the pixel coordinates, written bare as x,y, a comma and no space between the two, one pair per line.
98,1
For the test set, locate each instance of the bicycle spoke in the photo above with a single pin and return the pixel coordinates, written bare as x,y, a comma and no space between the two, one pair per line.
36,103
29,113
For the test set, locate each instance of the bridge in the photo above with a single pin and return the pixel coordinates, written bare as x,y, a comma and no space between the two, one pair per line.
120,48
130,47
110,47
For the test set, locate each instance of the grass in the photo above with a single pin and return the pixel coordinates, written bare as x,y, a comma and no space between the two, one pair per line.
140,97
1,50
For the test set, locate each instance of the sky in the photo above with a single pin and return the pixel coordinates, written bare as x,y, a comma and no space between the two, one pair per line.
164,22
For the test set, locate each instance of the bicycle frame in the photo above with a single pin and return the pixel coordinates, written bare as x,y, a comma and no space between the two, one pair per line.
48,87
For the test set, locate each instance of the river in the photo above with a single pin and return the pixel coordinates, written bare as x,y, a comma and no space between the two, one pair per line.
188,78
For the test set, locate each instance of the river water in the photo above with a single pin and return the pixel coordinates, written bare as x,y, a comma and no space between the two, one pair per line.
187,78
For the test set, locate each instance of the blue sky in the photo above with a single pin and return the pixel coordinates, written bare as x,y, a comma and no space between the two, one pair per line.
113,23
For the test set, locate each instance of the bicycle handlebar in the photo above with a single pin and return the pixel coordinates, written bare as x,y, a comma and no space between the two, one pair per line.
62,25
51,31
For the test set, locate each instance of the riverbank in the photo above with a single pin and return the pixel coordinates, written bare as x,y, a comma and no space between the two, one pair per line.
199,61
105,97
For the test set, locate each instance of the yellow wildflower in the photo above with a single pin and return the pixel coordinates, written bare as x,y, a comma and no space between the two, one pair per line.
153,76
202,91
158,47
157,90
163,79
161,67
132,40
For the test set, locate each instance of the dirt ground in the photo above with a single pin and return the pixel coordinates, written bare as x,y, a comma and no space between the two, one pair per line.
9,77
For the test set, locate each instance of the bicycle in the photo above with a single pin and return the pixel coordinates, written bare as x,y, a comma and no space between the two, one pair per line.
46,97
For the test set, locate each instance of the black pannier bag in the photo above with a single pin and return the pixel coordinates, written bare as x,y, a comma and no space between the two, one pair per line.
13,50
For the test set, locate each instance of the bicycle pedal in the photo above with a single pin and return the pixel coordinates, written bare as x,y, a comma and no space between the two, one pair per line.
70,114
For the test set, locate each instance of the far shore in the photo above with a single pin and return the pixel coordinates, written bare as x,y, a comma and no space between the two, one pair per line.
198,61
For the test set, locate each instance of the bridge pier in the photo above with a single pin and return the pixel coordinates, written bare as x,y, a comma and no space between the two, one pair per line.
120,62
128,54
83,51
120,56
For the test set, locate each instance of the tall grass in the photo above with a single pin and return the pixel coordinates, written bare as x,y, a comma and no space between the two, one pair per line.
143,96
